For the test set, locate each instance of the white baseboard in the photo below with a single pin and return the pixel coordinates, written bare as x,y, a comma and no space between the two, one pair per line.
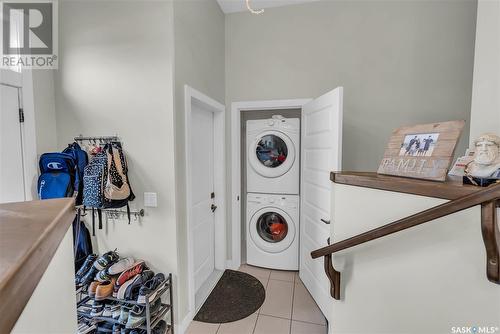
183,326
231,265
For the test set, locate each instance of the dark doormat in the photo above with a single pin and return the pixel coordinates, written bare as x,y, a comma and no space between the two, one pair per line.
236,296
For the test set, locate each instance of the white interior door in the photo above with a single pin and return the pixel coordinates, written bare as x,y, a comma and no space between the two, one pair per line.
321,154
202,187
11,147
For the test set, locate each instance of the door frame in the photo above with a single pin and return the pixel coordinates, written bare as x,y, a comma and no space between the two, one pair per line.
23,81
235,142
191,96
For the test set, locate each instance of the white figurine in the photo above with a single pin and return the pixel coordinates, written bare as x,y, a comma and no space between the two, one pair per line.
486,163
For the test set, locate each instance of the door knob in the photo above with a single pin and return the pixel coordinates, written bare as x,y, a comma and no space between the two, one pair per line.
213,207
327,222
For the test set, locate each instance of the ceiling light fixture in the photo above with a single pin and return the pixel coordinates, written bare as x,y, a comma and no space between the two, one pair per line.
253,11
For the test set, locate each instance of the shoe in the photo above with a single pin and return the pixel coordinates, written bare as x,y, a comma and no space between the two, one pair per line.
117,329
116,309
121,266
138,331
137,315
89,261
89,276
127,331
97,309
160,328
93,288
106,260
123,318
107,311
148,289
103,276
137,268
105,289
123,288
104,328
132,291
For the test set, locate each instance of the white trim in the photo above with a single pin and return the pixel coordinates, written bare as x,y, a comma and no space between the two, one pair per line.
23,81
192,95
183,326
236,109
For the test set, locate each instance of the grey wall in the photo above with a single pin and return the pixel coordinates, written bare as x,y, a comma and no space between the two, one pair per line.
400,62
199,63
116,77
485,113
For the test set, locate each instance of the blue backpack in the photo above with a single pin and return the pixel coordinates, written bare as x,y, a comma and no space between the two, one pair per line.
57,175
81,158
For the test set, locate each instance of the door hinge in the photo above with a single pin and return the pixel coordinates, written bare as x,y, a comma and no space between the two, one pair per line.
212,195
21,115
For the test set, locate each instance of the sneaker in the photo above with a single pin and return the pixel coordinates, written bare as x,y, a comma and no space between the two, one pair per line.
93,288
121,266
89,261
137,315
105,289
123,318
160,328
138,331
104,328
106,260
103,276
89,276
137,268
148,289
97,309
117,329
116,311
107,311
132,291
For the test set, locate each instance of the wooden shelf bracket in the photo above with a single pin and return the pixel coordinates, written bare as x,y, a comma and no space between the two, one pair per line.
491,237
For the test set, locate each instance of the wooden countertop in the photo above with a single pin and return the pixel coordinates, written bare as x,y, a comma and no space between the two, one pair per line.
30,233
451,189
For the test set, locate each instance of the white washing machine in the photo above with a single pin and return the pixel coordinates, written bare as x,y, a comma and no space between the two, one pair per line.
273,159
273,231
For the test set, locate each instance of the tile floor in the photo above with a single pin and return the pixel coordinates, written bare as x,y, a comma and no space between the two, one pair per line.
288,309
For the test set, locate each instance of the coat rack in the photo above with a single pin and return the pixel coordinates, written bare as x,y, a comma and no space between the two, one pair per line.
101,139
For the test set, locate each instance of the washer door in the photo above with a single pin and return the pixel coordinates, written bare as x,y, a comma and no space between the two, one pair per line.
271,154
272,230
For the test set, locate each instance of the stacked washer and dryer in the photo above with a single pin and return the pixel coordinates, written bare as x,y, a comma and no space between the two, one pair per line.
273,178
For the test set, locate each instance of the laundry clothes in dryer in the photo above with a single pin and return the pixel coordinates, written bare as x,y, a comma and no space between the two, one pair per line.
273,157
273,231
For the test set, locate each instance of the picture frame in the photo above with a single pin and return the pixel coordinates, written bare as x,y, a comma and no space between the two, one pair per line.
423,151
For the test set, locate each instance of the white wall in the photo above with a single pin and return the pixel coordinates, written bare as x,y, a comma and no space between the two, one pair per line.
45,113
116,77
56,289
485,113
199,63
423,280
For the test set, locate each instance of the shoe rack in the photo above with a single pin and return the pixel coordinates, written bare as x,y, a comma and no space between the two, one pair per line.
84,307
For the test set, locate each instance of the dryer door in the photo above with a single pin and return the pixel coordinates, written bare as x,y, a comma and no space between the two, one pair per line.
272,230
271,154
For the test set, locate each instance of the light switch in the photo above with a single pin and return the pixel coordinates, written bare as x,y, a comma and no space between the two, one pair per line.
150,200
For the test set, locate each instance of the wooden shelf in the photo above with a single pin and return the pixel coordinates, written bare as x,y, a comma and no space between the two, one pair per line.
450,189
30,233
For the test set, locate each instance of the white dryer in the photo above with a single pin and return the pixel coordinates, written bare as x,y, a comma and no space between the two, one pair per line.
273,231
273,159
